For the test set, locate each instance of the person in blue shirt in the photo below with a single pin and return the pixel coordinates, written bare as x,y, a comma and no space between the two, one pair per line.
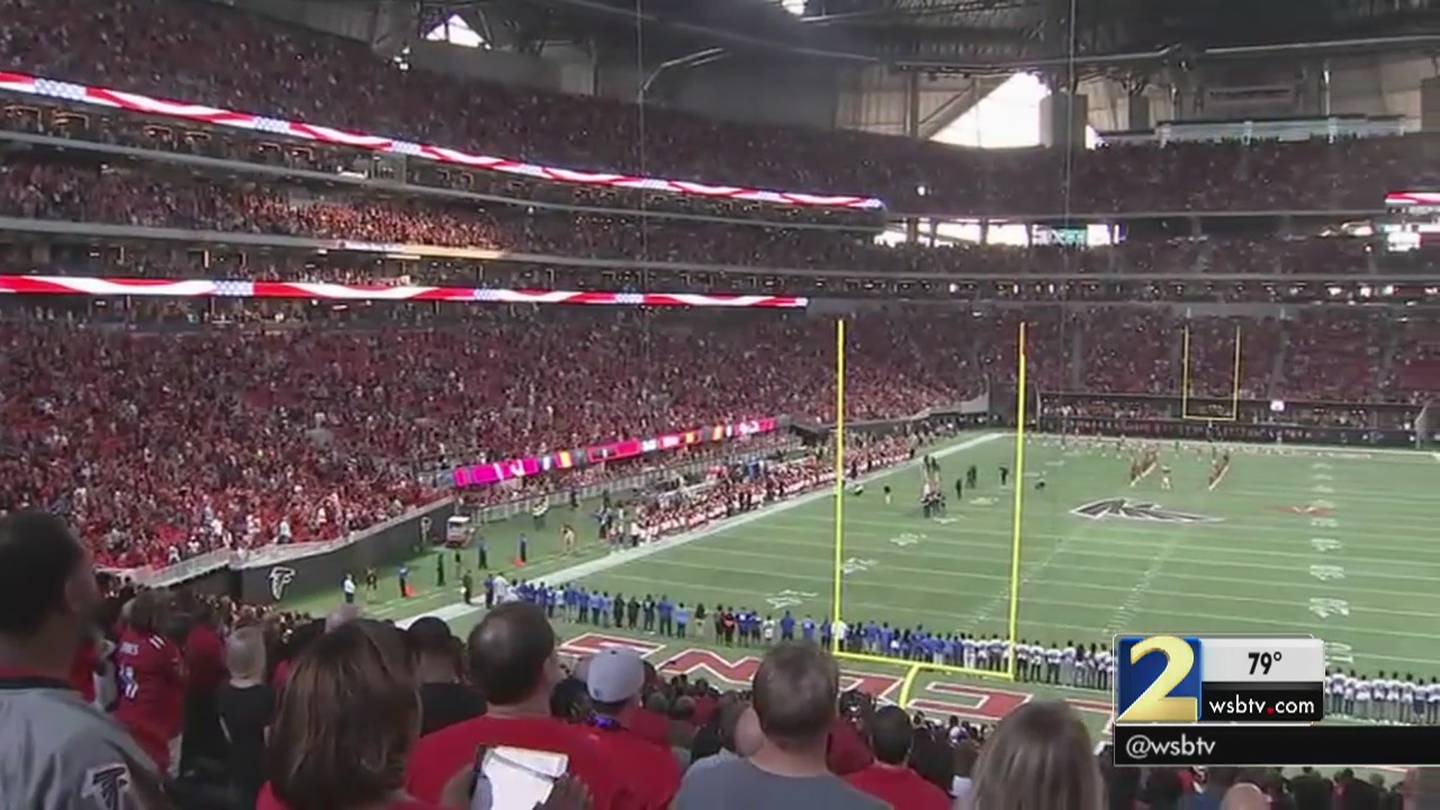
524,554
489,592
787,627
682,618
825,640
480,558
807,627
666,615
597,607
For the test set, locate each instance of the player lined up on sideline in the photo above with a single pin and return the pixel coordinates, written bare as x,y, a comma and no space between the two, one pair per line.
1391,699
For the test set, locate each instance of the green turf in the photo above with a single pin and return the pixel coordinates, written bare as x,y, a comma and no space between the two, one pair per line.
1256,570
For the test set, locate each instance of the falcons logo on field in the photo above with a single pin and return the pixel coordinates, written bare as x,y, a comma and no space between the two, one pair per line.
106,784
1127,509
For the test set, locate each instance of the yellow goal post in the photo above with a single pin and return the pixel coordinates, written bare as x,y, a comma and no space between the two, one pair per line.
915,668
1234,413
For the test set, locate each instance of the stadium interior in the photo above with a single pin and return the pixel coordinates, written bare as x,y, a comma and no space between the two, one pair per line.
929,344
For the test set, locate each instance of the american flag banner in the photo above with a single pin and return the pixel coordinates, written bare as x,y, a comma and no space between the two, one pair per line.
216,116
199,288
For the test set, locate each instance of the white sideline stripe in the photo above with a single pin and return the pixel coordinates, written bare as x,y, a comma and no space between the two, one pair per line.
609,561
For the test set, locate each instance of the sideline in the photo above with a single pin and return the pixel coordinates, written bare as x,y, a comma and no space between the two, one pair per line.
619,558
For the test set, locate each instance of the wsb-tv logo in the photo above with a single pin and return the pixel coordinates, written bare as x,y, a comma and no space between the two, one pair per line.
1157,679
1188,679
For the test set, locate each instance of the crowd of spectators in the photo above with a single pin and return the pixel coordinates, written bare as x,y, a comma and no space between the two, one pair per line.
164,445
145,197
246,62
229,707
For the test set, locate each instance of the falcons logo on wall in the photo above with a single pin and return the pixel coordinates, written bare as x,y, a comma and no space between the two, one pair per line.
280,577
1127,509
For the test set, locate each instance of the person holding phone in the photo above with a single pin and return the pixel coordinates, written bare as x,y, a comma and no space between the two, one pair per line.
513,662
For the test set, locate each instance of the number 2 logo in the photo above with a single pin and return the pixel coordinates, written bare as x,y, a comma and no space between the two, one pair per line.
1155,705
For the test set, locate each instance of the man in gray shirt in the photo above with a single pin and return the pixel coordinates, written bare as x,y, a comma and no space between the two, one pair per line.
795,692
60,752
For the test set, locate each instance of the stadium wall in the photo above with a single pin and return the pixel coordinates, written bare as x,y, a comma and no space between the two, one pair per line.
276,572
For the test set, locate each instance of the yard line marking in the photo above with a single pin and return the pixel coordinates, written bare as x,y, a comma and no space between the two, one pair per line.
1144,532
1001,565
1086,585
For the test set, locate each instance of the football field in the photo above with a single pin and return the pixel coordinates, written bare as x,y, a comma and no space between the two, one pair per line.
1340,543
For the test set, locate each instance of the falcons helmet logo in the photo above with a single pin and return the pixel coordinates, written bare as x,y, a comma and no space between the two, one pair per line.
105,785
1126,509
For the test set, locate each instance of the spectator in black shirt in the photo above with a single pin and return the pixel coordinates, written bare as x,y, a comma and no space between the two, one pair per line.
444,700
619,610
1311,790
633,609
247,706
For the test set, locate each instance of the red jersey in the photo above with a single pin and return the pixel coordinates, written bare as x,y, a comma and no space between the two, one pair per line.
204,659
651,726
152,692
901,787
705,708
650,771
267,801
845,752
440,755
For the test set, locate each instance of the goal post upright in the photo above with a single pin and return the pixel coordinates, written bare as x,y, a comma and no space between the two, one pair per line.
1185,397
915,668
1020,398
839,472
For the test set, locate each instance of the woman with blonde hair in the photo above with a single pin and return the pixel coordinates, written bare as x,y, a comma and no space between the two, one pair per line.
1038,758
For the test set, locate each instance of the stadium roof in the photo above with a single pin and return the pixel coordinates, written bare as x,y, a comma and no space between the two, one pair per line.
999,35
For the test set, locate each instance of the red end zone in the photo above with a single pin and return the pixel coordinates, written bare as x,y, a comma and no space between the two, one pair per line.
969,701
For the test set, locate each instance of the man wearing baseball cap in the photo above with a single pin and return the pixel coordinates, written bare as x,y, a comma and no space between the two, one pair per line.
614,679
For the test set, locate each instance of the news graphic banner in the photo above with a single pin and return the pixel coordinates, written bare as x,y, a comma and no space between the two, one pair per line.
1277,746
480,475
1242,701
1219,679
216,116
324,291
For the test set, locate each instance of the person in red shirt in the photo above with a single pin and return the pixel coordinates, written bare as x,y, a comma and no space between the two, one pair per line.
514,663
346,725
205,671
889,778
151,675
614,680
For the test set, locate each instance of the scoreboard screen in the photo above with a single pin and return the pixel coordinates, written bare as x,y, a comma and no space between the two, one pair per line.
1232,700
